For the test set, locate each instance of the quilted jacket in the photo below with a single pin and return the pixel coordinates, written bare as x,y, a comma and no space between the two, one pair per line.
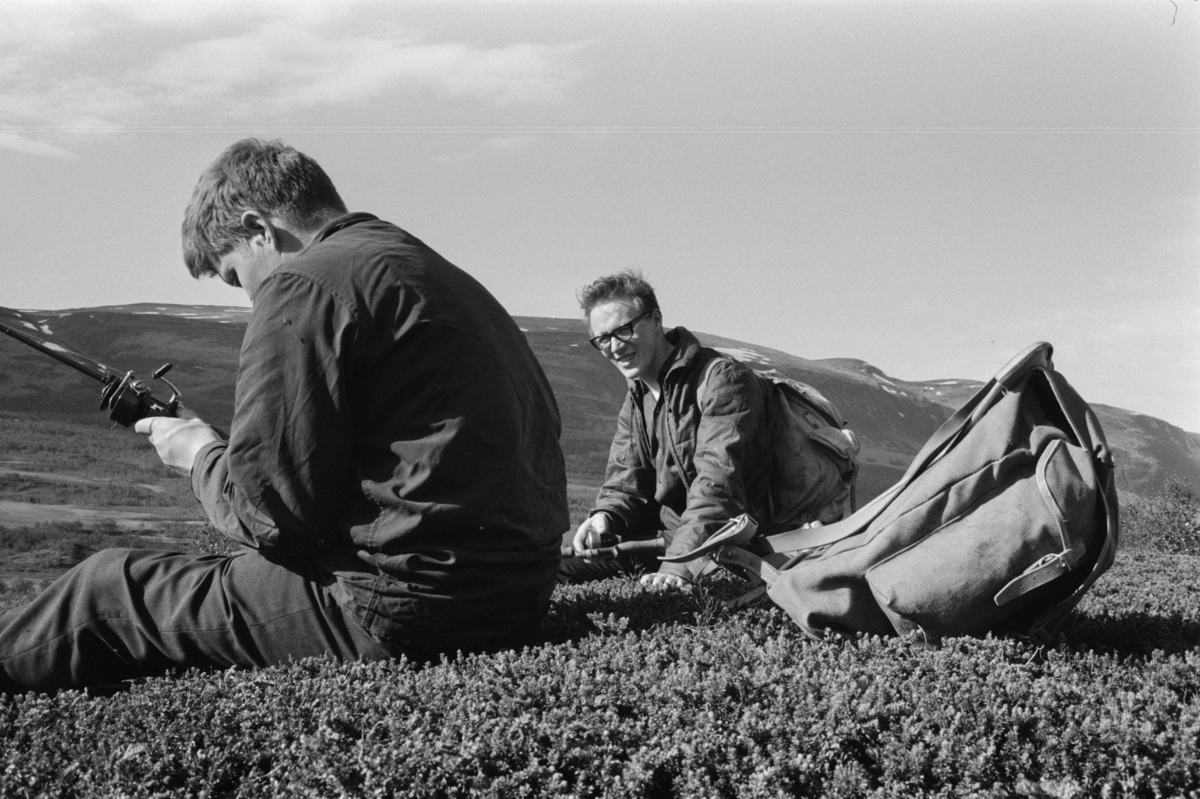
715,457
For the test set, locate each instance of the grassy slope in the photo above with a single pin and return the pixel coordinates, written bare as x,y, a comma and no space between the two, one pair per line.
68,488
631,695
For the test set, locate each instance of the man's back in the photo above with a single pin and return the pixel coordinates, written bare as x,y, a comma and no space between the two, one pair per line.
395,414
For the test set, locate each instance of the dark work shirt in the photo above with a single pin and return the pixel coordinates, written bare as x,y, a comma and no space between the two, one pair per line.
393,425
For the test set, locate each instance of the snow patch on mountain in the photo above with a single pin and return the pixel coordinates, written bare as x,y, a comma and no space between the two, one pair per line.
744,355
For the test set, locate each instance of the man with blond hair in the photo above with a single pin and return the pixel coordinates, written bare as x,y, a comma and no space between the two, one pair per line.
695,446
393,470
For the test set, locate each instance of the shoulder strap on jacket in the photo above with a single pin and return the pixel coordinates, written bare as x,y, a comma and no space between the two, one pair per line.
708,373
671,439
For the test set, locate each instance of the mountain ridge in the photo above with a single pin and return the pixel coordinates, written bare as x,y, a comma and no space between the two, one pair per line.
893,417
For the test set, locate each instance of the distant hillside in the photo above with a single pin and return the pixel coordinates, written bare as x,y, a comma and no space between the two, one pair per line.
1148,450
893,417
201,342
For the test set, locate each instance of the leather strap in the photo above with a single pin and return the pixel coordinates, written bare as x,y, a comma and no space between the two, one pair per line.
1039,574
749,564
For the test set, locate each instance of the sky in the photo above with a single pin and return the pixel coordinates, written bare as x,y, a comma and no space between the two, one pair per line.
927,186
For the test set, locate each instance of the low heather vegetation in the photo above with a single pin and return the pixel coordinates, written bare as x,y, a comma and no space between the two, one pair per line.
1169,522
631,695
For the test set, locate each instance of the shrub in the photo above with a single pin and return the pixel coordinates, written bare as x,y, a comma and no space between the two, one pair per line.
1169,521
210,541
68,552
15,593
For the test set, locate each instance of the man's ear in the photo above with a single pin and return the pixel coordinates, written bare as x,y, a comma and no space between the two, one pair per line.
260,228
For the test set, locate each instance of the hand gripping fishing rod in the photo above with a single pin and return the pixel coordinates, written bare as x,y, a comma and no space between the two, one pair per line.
124,396
656,545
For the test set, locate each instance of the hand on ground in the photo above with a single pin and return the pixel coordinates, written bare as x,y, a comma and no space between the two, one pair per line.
664,582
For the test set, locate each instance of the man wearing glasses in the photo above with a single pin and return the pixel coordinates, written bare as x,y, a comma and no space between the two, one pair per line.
694,443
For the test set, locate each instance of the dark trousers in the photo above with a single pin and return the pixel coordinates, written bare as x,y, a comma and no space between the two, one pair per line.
125,613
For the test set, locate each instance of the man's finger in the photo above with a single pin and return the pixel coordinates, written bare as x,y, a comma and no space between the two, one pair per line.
579,542
659,581
143,425
598,531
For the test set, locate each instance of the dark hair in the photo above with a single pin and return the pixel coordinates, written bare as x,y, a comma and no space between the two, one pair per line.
252,175
627,285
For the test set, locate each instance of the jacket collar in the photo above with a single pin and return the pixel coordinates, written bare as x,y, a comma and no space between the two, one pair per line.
683,357
341,223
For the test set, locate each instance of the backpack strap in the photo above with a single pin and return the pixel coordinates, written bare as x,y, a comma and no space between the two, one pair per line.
708,373
671,438
1046,569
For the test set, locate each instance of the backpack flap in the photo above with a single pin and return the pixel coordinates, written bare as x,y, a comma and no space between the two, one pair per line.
809,395
1038,522
1067,484
1081,420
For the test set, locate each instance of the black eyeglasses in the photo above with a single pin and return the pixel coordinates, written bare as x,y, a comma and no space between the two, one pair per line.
623,333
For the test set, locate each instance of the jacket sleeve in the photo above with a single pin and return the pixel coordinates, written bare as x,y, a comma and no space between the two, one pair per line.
730,436
629,480
287,472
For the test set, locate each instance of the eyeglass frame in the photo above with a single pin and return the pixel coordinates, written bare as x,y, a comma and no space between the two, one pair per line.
615,333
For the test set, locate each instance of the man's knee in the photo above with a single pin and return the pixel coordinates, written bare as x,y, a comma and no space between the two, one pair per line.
102,565
114,582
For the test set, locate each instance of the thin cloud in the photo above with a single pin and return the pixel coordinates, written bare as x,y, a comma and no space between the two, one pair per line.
296,69
23,144
141,66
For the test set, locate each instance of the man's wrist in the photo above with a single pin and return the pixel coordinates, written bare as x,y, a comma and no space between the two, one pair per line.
199,473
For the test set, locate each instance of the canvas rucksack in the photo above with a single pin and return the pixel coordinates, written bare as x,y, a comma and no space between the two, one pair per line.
1002,522
814,451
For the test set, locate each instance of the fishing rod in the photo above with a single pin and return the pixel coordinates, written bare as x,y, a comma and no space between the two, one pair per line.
126,397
